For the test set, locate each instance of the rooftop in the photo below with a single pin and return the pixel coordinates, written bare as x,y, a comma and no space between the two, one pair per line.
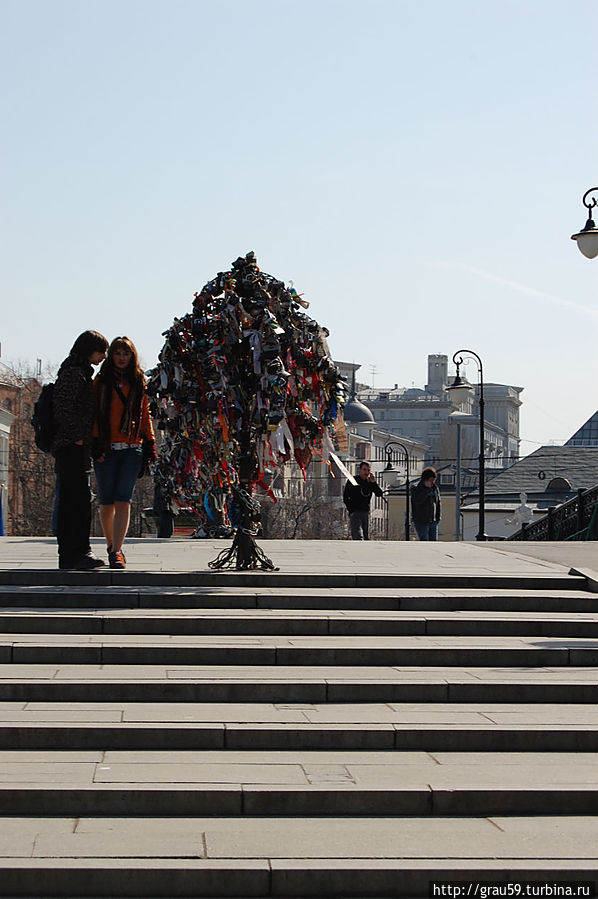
532,474
587,435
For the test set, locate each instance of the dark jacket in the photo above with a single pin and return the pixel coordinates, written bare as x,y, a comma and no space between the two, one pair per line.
357,497
425,504
73,403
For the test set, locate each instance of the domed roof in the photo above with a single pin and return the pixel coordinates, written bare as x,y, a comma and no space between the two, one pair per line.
355,412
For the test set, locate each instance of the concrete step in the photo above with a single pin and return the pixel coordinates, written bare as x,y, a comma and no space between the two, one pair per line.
418,599
432,728
339,857
295,684
410,717
298,622
296,784
216,799
140,649
258,580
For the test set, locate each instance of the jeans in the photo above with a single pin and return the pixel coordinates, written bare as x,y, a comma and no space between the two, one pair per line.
73,515
359,521
427,531
116,476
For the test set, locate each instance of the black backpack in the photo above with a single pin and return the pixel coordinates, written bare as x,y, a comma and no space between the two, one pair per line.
43,423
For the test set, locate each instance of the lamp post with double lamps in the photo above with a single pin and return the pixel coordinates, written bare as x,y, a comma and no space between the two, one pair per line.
587,238
389,470
460,391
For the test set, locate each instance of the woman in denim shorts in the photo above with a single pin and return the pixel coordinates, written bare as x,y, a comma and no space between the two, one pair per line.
123,440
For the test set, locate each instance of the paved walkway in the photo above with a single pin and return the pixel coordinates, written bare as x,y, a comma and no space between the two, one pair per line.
328,556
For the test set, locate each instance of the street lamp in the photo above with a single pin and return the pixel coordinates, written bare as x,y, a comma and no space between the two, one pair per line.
456,418
389,469
460,391
587,238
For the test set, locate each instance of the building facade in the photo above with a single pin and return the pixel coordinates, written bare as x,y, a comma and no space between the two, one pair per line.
6,420
424,415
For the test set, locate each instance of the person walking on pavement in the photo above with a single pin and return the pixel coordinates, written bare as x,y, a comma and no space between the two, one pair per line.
425,504
357,498
72,404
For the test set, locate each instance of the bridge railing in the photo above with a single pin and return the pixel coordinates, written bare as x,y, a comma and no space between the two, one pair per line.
574,520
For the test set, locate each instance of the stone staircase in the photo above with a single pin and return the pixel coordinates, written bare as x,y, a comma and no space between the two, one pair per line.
208,735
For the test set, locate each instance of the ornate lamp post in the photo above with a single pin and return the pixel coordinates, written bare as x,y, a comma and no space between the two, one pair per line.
460,391
387,472
587,238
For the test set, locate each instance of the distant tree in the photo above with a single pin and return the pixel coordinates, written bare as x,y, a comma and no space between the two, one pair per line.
304,512
31,477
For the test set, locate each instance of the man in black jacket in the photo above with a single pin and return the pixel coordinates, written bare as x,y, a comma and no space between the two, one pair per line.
425,504
357,497
73,405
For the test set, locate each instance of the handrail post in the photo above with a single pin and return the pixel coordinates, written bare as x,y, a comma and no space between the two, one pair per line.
580,509
551,522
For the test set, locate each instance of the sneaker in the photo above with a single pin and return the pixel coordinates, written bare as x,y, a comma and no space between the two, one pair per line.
117,560
88,562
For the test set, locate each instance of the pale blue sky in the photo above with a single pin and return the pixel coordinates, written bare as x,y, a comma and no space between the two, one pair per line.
415,168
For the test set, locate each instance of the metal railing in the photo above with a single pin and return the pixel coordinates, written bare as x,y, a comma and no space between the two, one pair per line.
577,519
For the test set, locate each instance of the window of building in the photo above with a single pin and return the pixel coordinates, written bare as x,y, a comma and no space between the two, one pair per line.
363,451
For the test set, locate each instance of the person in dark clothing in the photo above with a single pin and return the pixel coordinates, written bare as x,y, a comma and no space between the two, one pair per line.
425,505
357,498
164,513
73,407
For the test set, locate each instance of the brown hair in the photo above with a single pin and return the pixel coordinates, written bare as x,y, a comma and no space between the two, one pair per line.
428,473
133,371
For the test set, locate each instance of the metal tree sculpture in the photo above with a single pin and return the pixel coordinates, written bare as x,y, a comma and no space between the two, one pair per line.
244,383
